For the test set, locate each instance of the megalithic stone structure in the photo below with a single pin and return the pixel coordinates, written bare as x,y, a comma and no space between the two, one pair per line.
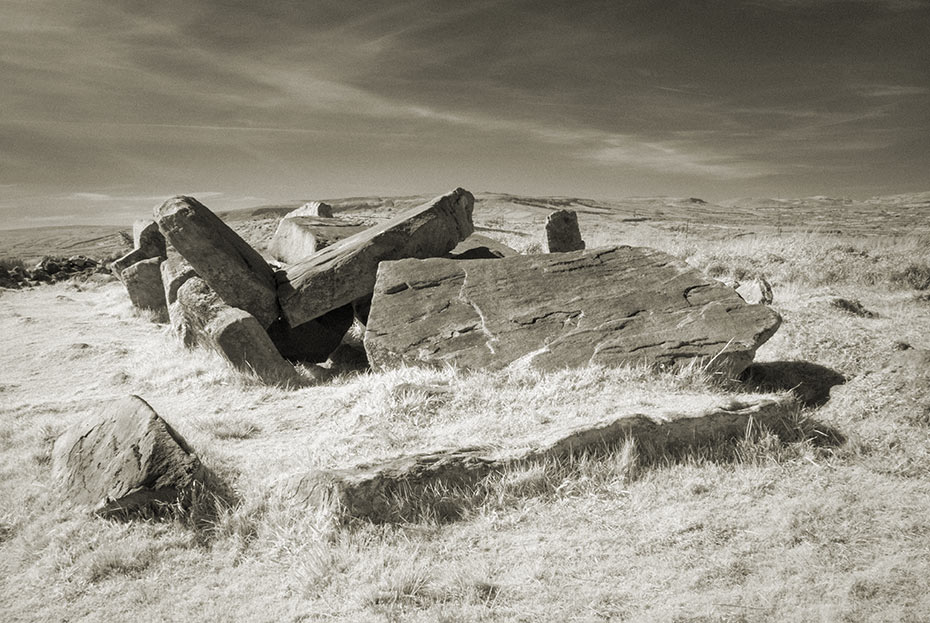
346,271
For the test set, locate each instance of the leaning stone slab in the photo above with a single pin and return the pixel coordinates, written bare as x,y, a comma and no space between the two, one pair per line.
562,233
232,332
144,285
346,271
236,271
298,236
610,306
124,460
436,483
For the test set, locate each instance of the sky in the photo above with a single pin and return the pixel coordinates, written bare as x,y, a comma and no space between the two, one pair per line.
108,107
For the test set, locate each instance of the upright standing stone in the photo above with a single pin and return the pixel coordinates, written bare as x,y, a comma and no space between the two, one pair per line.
232,268
562,233
125,459
620,305
144,285
346,271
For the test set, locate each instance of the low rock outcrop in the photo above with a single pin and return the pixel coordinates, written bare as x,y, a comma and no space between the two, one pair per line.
562,233
619,305
124,460
236,271
346,271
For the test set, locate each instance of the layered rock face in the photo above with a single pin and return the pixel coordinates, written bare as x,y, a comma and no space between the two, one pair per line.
619,305
236,271
346,271
125,459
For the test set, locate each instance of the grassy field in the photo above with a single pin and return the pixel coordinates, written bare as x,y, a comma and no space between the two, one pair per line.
830,524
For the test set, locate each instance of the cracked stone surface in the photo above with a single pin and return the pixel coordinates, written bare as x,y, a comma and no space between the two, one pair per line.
236,271
617,305
124,459
346,271
406,487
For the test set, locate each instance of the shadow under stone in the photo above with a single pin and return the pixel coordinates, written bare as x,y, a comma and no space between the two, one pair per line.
810,382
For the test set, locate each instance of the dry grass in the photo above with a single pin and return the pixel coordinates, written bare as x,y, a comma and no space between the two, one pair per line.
776,527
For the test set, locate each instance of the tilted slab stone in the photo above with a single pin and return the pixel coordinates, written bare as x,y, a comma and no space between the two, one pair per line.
346,271
407,487
125,459
562,233
298,236
232,332
478,247
236,271
144,285
610,306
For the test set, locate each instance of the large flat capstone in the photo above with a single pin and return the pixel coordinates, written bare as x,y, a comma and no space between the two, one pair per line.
610,306
346,271
235,270
124,459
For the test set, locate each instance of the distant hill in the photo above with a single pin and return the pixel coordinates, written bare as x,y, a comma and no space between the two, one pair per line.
892,215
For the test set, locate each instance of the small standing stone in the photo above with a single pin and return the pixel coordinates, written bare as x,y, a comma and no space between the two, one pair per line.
562,233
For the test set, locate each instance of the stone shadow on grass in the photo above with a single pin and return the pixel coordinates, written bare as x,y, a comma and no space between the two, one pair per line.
810,382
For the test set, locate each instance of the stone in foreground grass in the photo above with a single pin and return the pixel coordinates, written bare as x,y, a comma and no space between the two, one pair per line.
440,483
125,460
